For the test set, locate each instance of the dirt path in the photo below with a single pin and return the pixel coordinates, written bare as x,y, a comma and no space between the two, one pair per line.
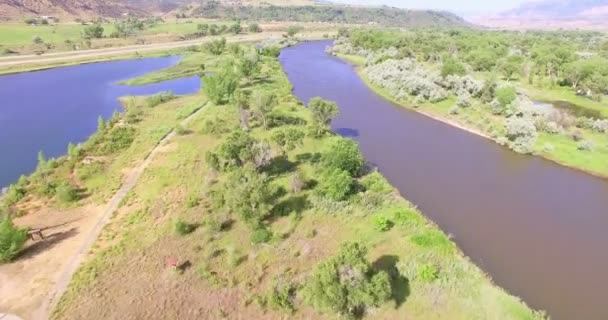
99,53
33,285
61,285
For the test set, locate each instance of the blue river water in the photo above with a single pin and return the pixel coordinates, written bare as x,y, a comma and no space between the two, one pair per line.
46,110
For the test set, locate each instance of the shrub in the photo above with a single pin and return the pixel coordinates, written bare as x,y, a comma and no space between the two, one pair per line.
254,27
282,295
260,235
12,239
335,184
343,154
375,182
382,223
506,95
347,284
153,101
180,130
192,200
92,32
452,67
182,228
586,145
297,182
427,273
118,138
272,51
293,30
66,193
217,47
14,194
522,134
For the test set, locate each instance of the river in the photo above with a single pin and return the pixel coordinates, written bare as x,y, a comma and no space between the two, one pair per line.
537,228
46,110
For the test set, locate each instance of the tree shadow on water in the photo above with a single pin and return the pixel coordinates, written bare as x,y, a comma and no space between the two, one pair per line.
400,285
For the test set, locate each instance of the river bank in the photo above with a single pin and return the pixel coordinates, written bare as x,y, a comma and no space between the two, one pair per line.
593,165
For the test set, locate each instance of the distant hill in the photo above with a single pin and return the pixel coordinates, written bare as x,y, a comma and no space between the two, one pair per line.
262,10
384,16
543,14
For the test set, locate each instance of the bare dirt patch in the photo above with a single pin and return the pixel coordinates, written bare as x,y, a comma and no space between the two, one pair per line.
26,282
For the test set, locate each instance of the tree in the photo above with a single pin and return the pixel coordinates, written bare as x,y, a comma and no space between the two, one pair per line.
522,134
335,184
323,112
288,138
220,87
263,103
248,66
247,193
343,154
92,32
203,29
505,95
347,284
12,239
217,47
236,28
254,27
235,151
452,66
579,71
511,66
101,124
37,40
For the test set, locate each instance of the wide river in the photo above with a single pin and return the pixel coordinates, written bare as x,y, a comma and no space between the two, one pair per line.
46,110
539,229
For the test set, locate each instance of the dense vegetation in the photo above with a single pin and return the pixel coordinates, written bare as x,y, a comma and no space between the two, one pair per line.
386,16
488,81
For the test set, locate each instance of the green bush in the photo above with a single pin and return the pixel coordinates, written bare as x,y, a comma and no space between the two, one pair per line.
282,295
335,184
452,67
153,101
382,223
12,239
260,235
343,154
14,194
272,52
375,182
118,138
347,284
505,95
182,228
427,272
66,193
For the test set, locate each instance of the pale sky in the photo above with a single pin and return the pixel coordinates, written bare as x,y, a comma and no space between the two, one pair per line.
465,7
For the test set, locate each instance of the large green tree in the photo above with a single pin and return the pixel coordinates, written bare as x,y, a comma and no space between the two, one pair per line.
347,284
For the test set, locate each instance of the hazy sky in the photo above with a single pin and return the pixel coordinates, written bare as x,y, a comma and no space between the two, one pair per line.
457,6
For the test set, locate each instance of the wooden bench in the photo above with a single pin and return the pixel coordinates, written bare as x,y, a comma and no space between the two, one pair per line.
35,232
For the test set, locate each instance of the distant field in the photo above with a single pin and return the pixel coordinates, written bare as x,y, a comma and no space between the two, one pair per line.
20,33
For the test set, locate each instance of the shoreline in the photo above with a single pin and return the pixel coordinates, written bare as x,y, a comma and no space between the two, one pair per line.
377,91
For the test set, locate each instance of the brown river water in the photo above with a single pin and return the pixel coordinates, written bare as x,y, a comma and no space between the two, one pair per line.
537,228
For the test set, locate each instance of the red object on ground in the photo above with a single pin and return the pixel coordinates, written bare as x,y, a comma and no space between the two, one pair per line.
172,262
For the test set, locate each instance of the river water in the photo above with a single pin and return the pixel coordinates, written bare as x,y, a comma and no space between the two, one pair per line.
46,110
538,229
